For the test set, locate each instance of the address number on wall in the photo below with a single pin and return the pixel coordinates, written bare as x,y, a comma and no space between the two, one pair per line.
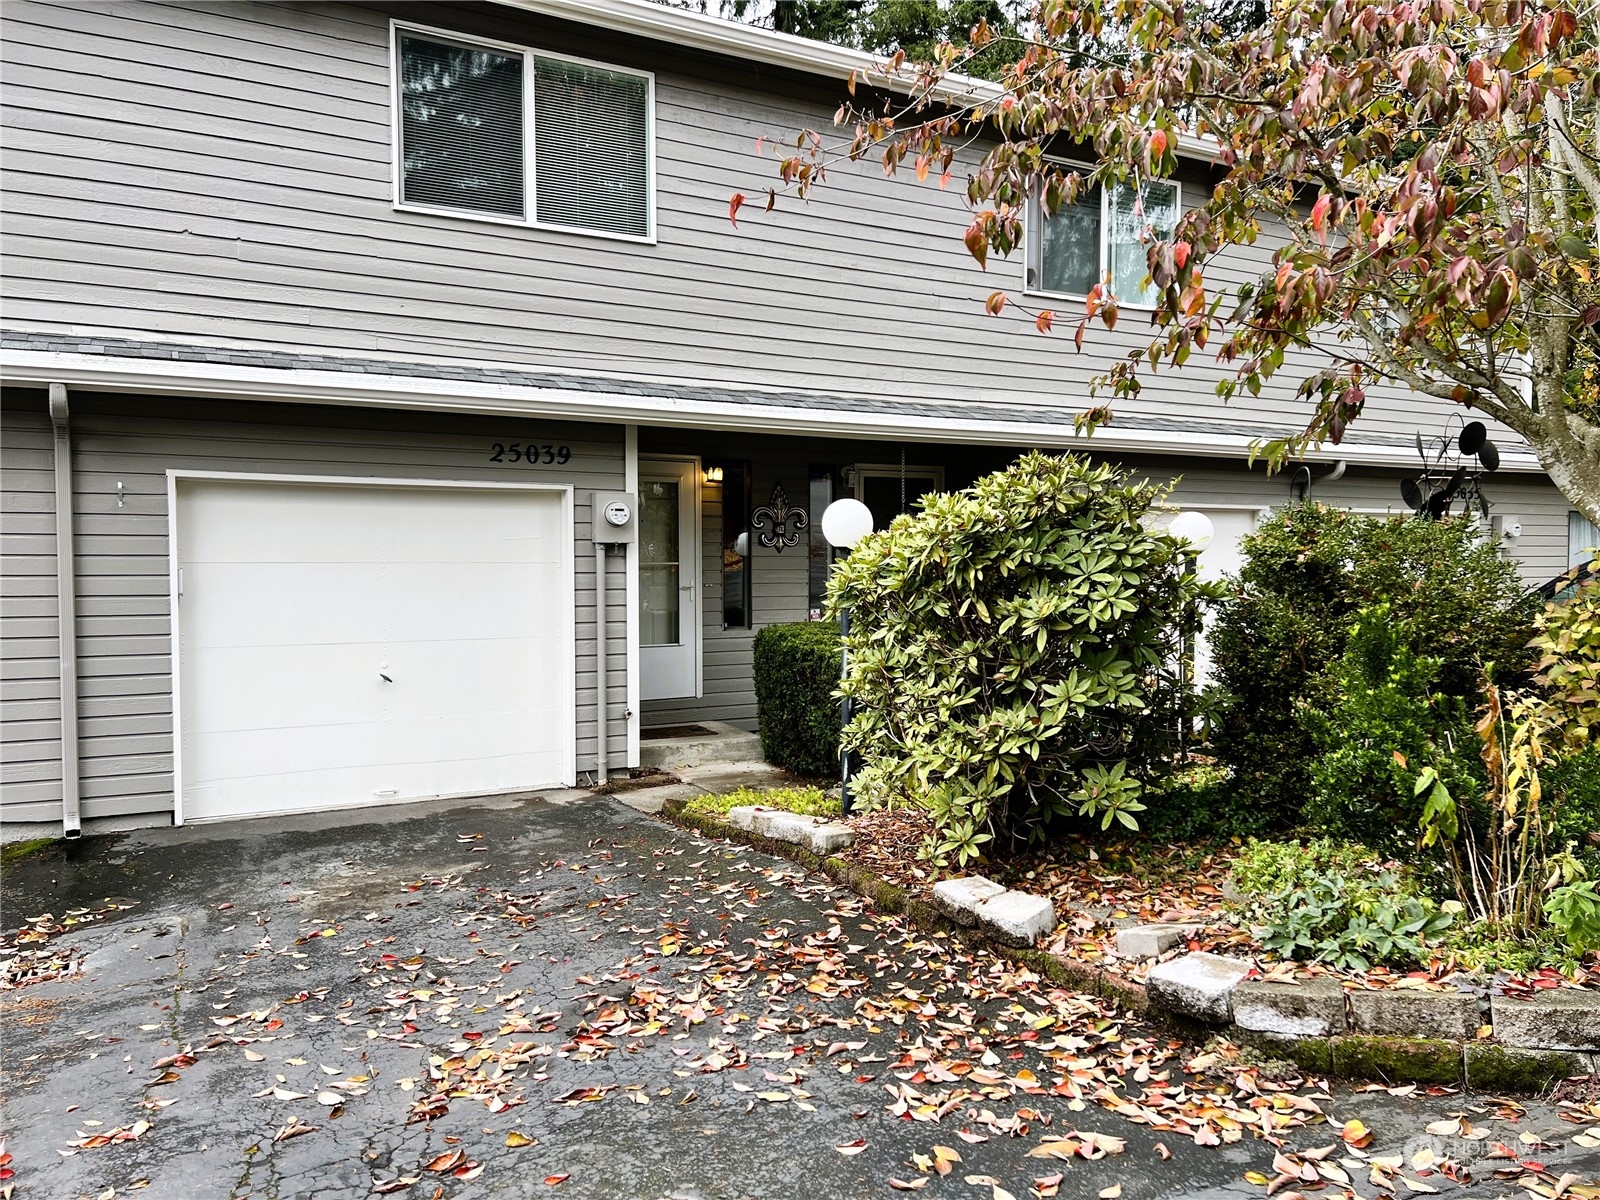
530,453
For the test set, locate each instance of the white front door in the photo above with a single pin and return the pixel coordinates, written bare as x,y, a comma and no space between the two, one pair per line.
669,574
342,644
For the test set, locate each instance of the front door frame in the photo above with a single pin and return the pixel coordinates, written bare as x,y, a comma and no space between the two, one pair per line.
694,611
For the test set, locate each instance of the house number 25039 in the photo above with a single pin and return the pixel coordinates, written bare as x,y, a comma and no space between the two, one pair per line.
530,453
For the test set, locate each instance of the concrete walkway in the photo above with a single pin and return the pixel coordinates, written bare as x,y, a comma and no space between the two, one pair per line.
563,997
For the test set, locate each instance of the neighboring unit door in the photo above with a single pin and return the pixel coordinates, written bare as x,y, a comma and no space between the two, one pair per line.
1224,556
343,644
669,563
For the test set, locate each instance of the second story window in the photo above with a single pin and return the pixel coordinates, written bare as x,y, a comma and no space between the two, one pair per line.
1103,236
508,134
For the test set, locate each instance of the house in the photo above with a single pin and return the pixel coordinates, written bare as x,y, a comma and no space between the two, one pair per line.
391,410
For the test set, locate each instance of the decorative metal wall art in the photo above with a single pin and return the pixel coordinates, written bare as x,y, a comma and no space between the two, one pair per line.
778,524
1452,473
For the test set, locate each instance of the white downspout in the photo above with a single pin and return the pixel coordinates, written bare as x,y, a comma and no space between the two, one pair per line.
66,612
602,701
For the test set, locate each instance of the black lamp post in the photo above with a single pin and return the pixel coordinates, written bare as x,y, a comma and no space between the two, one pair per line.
844,523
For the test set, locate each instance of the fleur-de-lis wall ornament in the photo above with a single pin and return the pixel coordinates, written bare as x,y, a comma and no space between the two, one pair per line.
778,525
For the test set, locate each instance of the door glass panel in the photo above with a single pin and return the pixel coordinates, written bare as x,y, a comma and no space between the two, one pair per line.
659,596
821,554
881,494
736,546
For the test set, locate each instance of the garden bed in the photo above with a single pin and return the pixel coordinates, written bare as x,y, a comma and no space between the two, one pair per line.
1438,1026
1100,890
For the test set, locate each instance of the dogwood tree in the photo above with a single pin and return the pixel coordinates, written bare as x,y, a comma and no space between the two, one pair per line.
1428,169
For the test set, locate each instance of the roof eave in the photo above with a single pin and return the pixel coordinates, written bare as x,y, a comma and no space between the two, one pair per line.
223,381
713,35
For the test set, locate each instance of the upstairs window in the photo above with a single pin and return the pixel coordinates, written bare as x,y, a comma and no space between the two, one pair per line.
1104,236
509,134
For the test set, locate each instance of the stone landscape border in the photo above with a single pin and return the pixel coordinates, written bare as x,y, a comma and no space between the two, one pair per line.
1392,1035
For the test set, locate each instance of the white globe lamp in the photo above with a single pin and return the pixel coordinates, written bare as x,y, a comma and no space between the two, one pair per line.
1193,528
846,522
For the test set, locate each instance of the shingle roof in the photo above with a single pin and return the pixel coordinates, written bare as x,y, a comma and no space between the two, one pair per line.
811,402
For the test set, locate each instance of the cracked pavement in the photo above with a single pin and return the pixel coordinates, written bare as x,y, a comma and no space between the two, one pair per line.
658,1016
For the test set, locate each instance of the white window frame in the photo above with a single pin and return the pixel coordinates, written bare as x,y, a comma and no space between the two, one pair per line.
1035,214
529,219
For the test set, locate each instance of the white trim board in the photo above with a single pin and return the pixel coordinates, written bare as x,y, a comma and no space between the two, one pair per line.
570,608
238,382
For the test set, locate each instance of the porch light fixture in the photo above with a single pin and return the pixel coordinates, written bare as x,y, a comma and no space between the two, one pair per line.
844,523
713,474
1193,528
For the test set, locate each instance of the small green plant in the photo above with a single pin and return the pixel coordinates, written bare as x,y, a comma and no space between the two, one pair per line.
1336,904
807,801
1387,728
1506,865
1267,866
1109,794
1573,909
960,819
1483,948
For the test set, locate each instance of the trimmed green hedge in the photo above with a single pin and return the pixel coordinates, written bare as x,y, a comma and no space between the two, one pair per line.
797,669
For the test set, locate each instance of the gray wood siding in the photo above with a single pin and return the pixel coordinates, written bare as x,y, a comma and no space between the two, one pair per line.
124,608
30,665
151,188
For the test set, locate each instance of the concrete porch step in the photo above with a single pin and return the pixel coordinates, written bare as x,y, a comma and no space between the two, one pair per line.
719,743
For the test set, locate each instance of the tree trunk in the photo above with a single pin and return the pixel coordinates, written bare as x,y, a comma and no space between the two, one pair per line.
1574,471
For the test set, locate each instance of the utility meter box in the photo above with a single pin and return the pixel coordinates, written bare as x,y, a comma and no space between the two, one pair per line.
614,517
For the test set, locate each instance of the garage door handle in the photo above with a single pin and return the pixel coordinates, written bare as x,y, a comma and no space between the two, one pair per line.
384,677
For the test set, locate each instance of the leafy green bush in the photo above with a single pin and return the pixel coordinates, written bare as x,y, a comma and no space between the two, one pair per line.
797,670
1308,569
1326,902
1386,724
1573,910
1013,653
1572,784
1198,803
807,801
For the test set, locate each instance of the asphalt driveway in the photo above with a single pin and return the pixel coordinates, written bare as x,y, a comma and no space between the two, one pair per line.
561,997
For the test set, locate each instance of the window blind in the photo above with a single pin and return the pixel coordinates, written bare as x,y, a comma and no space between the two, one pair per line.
461,130
591,147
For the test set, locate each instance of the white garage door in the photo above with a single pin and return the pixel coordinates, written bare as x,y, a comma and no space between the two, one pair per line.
349,644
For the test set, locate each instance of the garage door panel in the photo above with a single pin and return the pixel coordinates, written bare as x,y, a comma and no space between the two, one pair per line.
286,791
476,605
299,598
285,687
241,754
270,604
521,670
224,525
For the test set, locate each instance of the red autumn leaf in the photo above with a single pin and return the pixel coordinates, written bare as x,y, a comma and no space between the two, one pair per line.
734,203
977,245
1044,321
996,301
